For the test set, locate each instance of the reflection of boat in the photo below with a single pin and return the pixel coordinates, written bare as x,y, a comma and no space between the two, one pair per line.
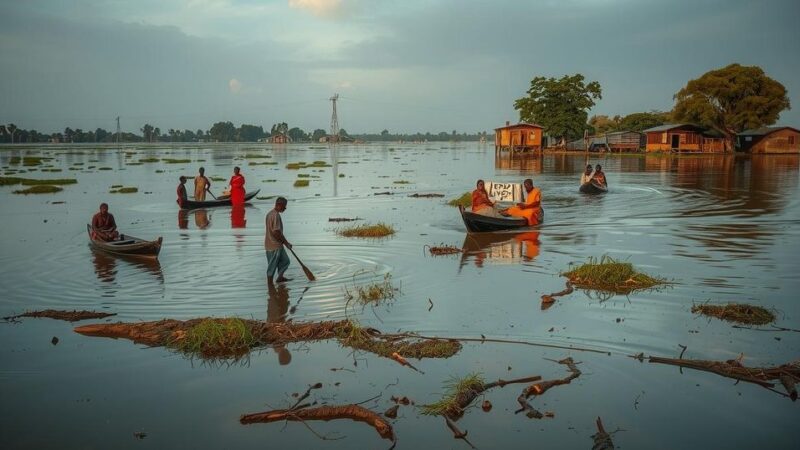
593,187
130,246
105,265
479,223
500,247
237,217
222,200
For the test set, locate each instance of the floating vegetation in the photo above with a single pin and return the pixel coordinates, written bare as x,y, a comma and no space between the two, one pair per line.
432,196
7,181
265,163
159,171
610,275
373,293
28,160
367,231
443,250
105,168
301,183
341,175
51,170
217,179
256,156
124,190
343,219
211,337
265,197
116,186
176,161
401,182
148,160
268,181
457,390
40,189
736,312
206,342
303,175
304,165
69,316
133,164
465,200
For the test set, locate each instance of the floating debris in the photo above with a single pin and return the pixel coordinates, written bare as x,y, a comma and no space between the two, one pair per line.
401,182
373,293
462,392
610,275
602,440
124,190
69,316
443,250
40,189
301,183
367,231
736,312
431,196
343,219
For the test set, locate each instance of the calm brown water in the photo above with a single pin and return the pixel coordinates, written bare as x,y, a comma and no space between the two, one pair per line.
724,228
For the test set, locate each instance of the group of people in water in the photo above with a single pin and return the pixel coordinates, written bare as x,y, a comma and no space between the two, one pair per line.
530,209
202,185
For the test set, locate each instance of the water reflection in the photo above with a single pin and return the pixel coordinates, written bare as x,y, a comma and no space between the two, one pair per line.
183,219
524,163
500,248
201,218
277,309
238,219
105,266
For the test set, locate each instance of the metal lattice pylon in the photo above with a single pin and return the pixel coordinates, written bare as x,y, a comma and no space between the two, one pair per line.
334,120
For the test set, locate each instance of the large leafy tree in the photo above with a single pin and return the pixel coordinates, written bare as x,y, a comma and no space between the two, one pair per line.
250,133
319,133
731,100
559,105
603,124
222,132
643,120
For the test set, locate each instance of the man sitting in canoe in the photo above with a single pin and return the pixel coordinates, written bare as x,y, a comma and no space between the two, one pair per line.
599,176
531,209
104,228
182,199
587,175
481,204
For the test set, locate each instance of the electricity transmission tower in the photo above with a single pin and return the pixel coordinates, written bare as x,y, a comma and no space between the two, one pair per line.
118,131
334,120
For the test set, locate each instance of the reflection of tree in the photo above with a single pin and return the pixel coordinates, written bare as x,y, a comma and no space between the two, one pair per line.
277,308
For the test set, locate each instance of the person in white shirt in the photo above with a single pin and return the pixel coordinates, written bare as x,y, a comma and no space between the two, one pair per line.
587,175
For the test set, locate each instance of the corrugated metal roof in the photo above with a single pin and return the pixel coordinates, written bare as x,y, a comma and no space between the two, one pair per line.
669,126
521,124
763,131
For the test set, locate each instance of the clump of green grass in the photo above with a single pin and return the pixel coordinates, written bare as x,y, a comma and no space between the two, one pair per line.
105,168
256,156
611,275
303,175
124,190
265,163
373,293
465,200
351,334
133,164
28,160
265,197
40,189
304,165
175,161
217,179
268,181
404,182
148,160
52,170
159,171
341,175
7,181
116,186
456,388
216,338
736,312
301,183
377,230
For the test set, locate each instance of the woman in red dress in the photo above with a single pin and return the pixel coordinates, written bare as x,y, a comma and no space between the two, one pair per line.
237,188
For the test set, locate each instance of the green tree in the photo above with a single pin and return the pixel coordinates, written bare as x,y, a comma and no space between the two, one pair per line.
643,120
297,135
603,124
318,134
250,133
147,132
385,135
279,128
731,100
559,105
222,132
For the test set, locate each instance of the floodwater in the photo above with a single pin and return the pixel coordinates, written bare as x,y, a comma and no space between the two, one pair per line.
722,228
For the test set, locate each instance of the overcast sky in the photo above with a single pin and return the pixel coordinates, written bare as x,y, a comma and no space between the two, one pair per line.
403,65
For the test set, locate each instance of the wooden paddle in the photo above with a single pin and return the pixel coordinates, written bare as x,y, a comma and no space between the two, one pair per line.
209,191
308,273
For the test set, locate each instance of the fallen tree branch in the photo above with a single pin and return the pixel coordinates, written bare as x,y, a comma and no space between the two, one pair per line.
540,388
602,440
326,413
466,393
549,299
69,316
457,434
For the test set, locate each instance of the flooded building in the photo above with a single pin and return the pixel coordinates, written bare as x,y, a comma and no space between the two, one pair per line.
280,138
682,138
518,138
618,141
769,140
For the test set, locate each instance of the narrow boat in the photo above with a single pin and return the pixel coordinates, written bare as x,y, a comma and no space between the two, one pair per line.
593,187
128,245
478,223
222,200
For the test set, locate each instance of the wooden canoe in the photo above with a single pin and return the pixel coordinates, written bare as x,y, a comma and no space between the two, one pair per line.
128,246
593,187
478,223
222,200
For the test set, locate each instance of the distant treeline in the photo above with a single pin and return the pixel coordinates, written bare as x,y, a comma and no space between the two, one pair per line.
219,132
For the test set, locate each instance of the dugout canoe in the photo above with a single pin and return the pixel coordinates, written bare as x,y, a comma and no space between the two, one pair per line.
478,223
128,245
222,200
593,187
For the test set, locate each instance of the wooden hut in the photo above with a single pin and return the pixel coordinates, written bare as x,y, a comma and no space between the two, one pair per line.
518,138
280,138
682,138
769,140
617,141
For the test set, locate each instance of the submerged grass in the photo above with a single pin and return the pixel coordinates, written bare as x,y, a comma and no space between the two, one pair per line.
40,189
301,183
217,179
351,334
148,160
456,388
256,156
465,200
377,230
7,181
216,337
736,312
124,190
610,275
304,165
176,161
375,292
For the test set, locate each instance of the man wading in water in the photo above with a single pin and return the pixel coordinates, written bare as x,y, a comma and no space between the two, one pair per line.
274,242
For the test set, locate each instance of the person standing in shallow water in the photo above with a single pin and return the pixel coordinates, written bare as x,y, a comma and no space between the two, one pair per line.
237,188
201,185
274,243
181,191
